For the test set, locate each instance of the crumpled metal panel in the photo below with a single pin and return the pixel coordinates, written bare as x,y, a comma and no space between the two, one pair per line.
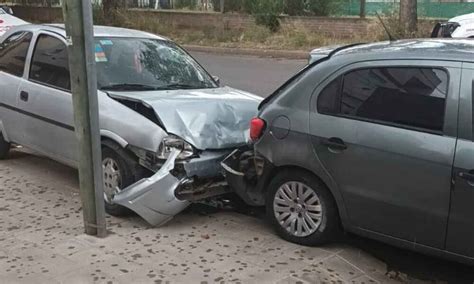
216,118
208,165
153,198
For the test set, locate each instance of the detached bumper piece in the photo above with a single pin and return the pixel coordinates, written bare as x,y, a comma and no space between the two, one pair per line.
154,198
174,186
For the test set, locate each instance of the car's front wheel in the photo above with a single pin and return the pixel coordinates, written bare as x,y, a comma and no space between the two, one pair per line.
301,209
4,147
120,170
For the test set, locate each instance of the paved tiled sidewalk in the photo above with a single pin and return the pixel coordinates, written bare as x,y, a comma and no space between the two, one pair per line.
41,241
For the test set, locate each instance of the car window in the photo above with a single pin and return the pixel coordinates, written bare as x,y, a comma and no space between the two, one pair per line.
407,97
328,101
472,109
50,64
13,53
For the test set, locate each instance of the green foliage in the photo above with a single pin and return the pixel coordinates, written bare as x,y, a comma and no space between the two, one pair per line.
325,7
266,13
189,4
98,14
294,7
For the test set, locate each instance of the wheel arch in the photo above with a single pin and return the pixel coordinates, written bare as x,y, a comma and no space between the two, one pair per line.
111,136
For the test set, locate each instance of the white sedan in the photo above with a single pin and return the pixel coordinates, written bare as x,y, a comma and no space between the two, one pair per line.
7,20
457,27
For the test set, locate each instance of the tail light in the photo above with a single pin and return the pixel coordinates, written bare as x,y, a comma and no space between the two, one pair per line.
257,126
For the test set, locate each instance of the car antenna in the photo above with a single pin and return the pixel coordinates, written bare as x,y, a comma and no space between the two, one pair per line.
387,30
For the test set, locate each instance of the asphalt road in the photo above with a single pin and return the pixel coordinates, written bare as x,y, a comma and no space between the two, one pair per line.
260,76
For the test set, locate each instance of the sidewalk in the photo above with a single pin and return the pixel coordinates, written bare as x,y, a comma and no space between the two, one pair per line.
41,241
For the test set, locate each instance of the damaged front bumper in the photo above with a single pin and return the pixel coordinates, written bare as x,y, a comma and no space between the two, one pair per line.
171,189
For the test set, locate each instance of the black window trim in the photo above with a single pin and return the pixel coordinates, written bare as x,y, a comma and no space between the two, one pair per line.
472,110
31,61
27,51
380,122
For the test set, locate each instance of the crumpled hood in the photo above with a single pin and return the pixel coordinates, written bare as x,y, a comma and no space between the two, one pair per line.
206,118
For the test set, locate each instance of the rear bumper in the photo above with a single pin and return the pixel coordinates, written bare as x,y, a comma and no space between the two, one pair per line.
159,198
247,174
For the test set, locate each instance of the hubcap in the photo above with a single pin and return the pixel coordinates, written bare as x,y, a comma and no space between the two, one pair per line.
112,179
297,208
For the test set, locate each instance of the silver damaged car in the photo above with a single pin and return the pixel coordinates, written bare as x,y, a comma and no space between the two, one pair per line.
165,123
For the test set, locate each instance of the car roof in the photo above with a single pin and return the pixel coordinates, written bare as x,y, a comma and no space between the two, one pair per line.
424,49
99,31
462,18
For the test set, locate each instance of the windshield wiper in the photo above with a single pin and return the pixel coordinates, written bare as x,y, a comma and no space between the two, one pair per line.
129,87
182,86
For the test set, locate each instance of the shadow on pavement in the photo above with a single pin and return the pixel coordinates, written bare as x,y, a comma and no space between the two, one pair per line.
413,264
398,261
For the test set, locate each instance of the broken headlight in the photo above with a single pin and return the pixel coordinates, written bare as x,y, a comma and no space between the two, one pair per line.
173,142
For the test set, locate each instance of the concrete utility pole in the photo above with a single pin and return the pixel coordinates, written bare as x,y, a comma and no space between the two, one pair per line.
222,3
79,30
409,15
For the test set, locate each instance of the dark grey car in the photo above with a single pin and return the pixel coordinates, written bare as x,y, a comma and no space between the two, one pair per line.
374,139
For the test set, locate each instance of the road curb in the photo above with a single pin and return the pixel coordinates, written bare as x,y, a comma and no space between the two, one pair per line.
287,54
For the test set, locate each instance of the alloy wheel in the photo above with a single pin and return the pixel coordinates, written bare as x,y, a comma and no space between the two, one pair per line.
297,208
112,179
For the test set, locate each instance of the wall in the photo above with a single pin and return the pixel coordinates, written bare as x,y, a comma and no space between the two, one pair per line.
338,27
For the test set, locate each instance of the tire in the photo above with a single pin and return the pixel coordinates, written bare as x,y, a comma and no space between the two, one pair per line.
4,148
129,171
316,200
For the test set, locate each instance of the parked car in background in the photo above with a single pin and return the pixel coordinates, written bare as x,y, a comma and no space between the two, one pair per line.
457,27
375,139
165,123
7,20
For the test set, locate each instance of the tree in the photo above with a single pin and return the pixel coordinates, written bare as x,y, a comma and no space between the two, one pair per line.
362,8
325,7
408,15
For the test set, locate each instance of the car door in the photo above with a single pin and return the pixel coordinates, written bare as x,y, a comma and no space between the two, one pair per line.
13,53
461,226
386,133
46,98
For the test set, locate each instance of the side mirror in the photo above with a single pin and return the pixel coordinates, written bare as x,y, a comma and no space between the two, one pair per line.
217,80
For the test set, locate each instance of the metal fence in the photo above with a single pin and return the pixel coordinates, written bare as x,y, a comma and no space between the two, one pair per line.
426,9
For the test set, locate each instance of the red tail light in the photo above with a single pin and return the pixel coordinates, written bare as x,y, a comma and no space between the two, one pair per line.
257,125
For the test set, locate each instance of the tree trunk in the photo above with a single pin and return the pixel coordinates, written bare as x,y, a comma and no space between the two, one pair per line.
408,16
362,8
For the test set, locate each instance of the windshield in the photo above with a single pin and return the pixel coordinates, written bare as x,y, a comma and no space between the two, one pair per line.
146,64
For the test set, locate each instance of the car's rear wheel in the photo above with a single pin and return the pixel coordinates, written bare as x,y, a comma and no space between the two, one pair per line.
301,209
4,147
120,170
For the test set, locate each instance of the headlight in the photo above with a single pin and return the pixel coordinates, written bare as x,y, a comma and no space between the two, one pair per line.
171,142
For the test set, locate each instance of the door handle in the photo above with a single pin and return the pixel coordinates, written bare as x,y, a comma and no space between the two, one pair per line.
334,143
468,176
24,96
